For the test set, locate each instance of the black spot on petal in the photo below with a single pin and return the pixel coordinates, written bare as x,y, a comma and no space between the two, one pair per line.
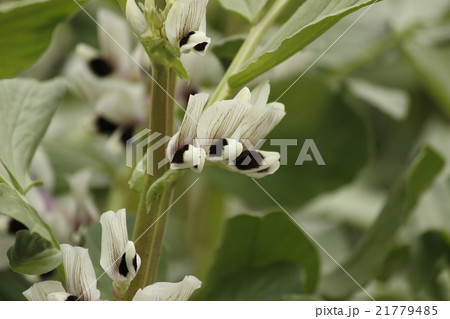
249,160
14,226
135,263
100,67
179,155
127,134
201,46
105,126
123,269
72,298
216,150
186,38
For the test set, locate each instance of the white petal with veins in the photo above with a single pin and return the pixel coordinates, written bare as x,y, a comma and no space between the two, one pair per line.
117,249
259,123
221,119
188,128
81,280
167,291
114,241
184,17
40,291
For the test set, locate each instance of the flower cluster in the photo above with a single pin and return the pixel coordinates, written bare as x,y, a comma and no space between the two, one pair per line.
182,24
120,262
110,80
228,132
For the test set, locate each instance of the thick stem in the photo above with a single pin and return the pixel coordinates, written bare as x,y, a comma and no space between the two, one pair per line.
148,236
247,49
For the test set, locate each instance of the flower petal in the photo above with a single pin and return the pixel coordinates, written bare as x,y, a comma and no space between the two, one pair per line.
114,242
113,50
244,95
196,41
122,107
135,17
221,120
40,291
225,149
62,296
79,271
83,208
184,17
167,291
252,161
267,171
189,156
257,125
260,95
188,128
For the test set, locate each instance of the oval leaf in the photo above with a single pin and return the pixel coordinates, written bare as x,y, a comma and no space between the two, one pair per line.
33,255
12,205
26,108
26,29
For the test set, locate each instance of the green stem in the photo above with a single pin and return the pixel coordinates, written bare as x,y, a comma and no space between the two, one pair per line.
148,236
247,49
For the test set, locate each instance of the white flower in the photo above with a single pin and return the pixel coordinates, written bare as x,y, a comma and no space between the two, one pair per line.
136,18
183,151
255,126
118,254
228,132
186,26
80,279
81,206
107,79
119,113
167,291
111,58
217,125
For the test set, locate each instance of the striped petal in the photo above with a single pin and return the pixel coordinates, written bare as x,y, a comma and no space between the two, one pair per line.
260,122
167,291
188,129
79,272
40,291
184,20
118,255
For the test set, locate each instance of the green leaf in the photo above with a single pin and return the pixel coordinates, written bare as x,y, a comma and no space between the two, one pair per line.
391,101
262,258
12,285
26,108
433,67
12,205
310,21
26,28
372,250
33,255
246,9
